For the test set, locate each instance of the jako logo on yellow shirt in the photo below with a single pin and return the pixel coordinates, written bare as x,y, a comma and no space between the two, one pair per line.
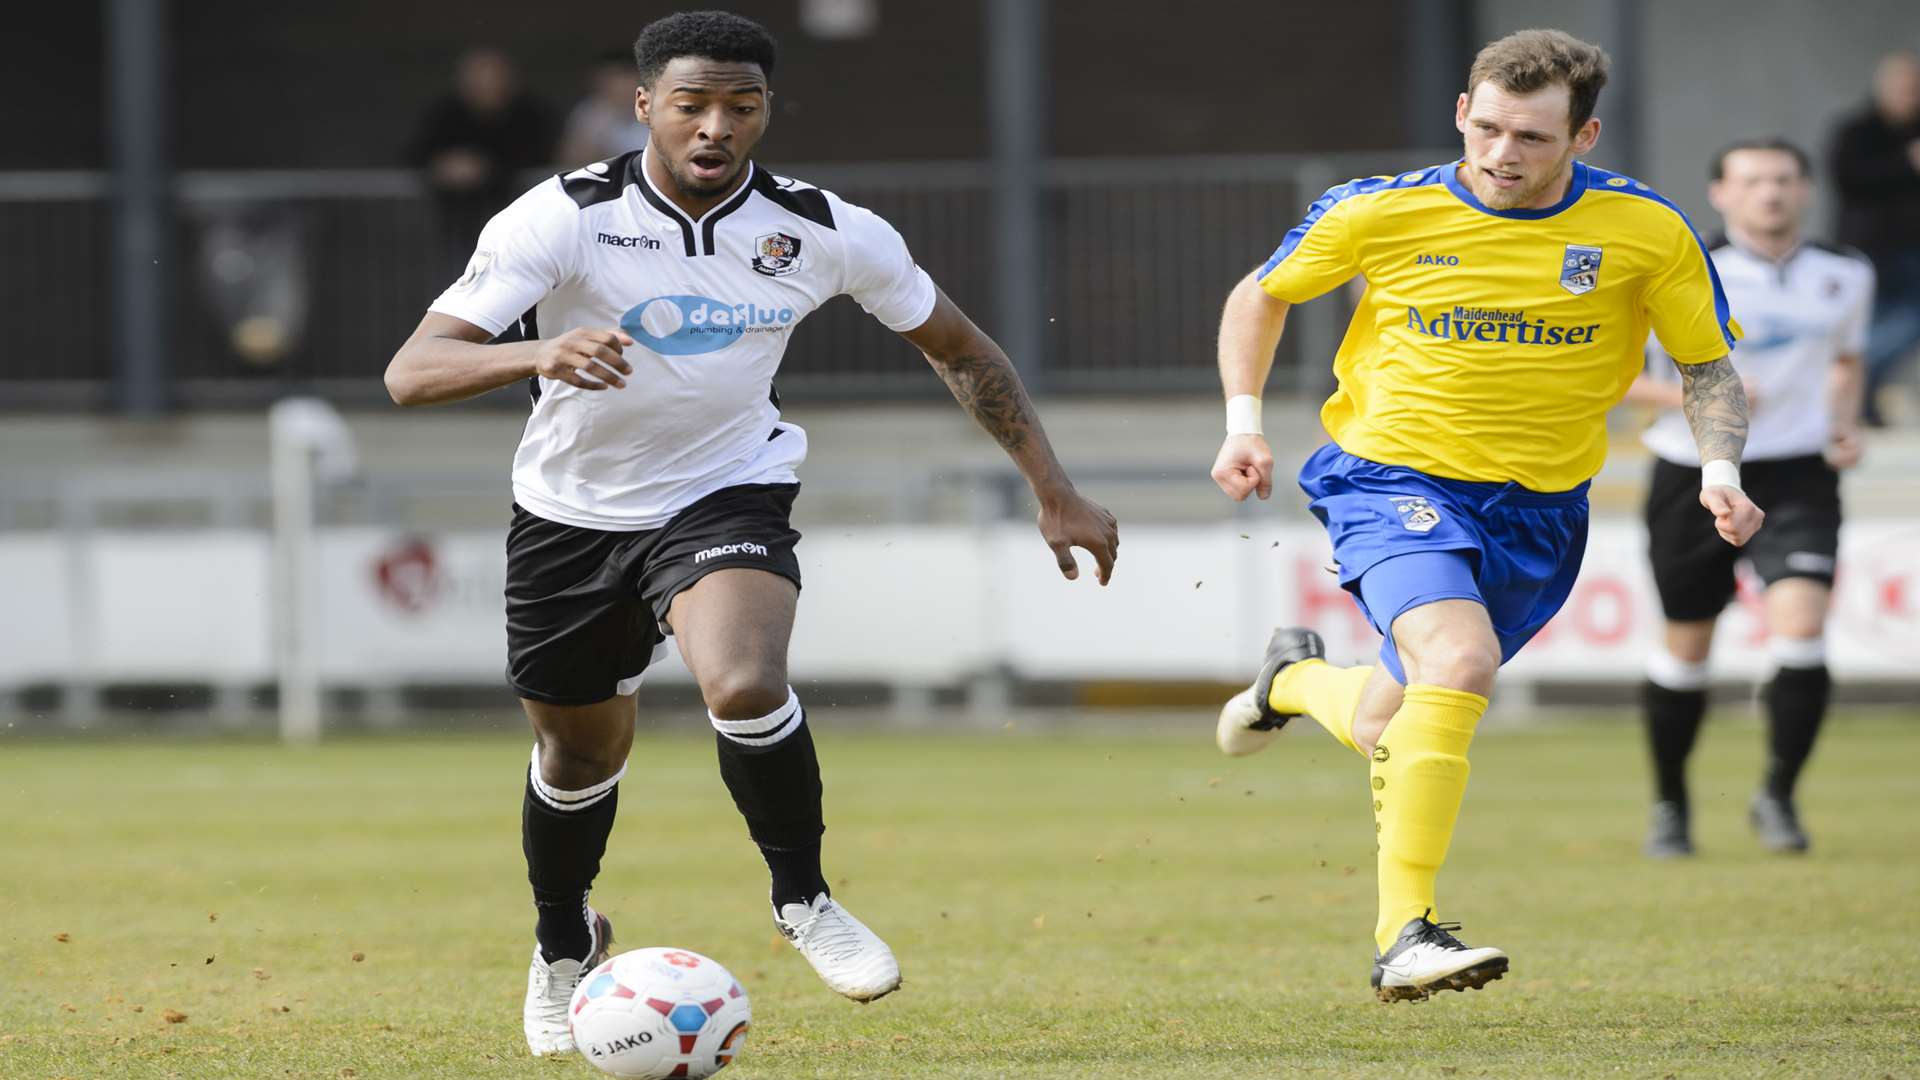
1499,326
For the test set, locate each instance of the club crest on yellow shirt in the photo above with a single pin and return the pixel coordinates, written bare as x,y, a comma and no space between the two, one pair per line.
1580,269
1416,513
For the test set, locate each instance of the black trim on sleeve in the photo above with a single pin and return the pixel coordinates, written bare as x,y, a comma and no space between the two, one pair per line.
808,203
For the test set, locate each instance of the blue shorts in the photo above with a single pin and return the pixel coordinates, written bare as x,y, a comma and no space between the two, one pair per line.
1404,538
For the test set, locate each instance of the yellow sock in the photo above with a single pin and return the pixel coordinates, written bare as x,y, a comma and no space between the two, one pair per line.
1419,775
1331,695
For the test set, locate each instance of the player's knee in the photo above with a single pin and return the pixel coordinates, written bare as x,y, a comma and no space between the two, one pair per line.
1458,663
746,691
572,763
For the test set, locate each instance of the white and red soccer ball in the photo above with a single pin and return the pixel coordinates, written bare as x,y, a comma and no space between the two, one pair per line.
659,1014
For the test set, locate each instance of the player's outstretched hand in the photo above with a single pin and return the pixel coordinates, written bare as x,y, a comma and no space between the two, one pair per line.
1077,522
1244,467
1734,515
588,359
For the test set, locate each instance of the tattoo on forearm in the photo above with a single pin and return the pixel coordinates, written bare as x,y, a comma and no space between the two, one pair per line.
1716,408
984,383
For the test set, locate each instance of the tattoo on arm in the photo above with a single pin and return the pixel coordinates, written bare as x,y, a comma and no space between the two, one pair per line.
984,383
1716,408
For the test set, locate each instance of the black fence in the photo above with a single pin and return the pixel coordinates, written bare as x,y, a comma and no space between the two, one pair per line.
307,281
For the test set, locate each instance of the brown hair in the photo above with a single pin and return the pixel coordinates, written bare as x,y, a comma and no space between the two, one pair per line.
1529,60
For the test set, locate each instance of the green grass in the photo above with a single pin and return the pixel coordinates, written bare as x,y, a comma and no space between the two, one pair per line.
1072,906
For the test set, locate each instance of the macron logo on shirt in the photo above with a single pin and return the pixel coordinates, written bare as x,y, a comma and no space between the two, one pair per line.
645,242
730,549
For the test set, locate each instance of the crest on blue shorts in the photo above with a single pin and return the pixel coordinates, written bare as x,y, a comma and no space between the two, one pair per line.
1416,513
1580,269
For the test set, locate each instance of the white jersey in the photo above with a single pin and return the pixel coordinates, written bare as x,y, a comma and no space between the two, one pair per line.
1799,316
710,304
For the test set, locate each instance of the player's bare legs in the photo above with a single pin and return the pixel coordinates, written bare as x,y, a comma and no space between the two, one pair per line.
1379,700
733,626
580,754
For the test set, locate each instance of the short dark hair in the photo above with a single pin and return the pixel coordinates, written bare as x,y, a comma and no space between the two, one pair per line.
1530,60
710,35
1778,143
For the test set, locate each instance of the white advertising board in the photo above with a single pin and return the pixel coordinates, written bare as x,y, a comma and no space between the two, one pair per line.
908,605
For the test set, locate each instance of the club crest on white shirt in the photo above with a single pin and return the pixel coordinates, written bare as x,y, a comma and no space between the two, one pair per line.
776,254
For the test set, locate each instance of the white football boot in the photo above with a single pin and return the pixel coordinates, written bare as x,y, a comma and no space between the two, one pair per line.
550,989
849,958
1427,957
1247,722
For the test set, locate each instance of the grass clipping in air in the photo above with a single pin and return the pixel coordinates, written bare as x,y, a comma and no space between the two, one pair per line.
1125,906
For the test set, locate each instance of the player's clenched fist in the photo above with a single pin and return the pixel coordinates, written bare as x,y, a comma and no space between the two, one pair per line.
1734,515
1244,467
589,359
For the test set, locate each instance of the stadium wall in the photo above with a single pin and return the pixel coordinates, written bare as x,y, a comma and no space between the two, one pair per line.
919,608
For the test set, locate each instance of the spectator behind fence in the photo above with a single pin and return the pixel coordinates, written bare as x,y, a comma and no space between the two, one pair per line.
604,124
1876,167
473,144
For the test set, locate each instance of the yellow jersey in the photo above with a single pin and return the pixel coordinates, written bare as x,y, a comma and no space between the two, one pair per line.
1490,343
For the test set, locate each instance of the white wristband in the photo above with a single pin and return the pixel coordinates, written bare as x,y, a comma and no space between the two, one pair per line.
1720,473
1243,415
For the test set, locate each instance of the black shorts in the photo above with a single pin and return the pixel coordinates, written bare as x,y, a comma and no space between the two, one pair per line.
587,609
1693,567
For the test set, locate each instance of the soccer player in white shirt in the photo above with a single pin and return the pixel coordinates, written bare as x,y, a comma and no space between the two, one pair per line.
657,291
1806,308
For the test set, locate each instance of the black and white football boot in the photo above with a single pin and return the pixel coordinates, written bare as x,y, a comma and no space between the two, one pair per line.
1777,824
1427,957
1247,722
550,988
1668,833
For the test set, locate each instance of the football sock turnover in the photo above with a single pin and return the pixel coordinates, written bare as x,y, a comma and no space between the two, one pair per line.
1331,695
564,834
775,783
1419,774
1796,704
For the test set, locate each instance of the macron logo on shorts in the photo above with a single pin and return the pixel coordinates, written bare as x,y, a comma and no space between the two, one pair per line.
730,549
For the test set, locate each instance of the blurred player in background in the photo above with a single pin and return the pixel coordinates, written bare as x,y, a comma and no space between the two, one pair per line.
603,124
1806,308
1509,297
656,293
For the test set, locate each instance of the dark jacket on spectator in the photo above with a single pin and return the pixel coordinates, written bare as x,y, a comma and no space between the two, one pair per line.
1878,184
517,137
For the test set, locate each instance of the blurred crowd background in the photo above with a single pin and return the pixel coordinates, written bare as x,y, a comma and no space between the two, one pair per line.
210,207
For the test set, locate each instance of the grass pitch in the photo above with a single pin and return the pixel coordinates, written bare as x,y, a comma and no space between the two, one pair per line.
1063,906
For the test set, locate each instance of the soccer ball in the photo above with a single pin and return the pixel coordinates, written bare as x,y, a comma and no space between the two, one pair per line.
659,1013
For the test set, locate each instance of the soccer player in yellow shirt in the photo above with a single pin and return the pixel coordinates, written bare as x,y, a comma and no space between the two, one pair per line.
1509,295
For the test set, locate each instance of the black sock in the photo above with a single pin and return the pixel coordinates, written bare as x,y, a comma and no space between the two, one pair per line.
563,849
1796,704
777,789
1673,723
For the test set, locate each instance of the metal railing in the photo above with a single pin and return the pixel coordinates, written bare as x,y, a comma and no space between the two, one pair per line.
306,281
